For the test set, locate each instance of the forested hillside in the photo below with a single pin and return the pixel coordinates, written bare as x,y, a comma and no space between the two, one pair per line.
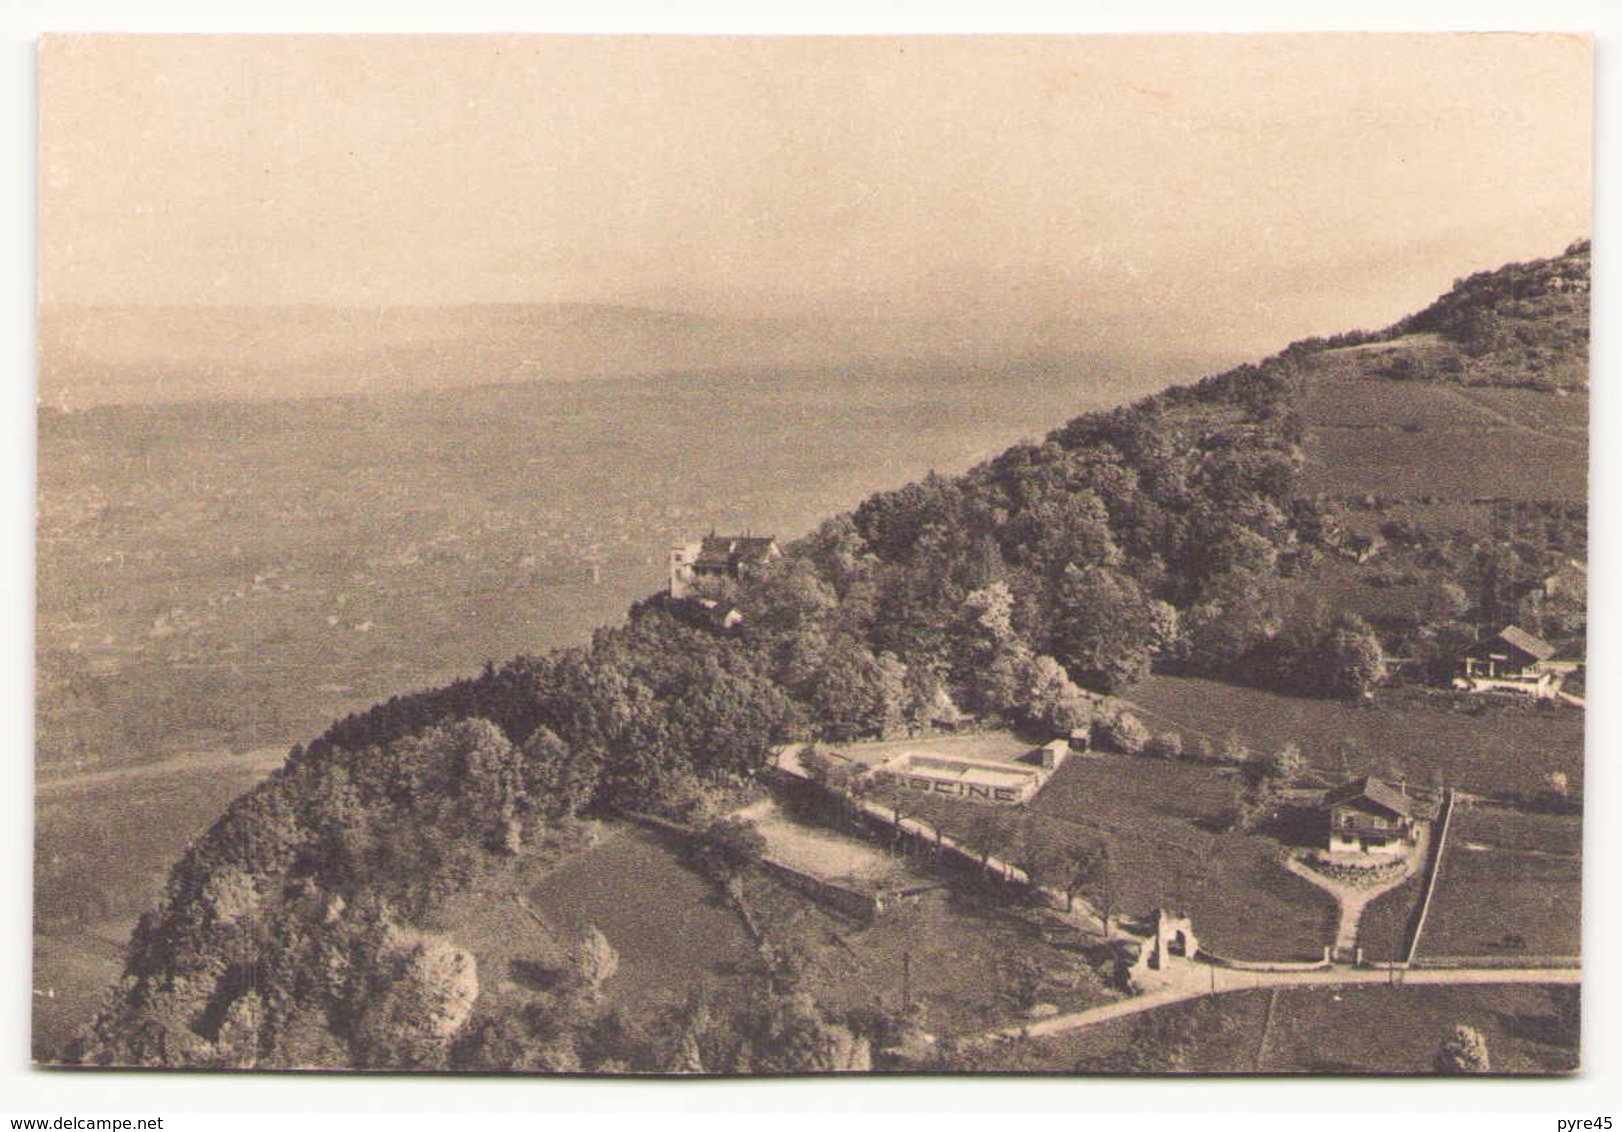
1180,532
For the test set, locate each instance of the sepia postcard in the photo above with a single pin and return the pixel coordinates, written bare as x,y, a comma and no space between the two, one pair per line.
784,555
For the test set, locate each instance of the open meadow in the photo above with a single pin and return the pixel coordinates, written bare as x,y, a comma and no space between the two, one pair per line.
1372,434
1160,822
1510,887
1486,748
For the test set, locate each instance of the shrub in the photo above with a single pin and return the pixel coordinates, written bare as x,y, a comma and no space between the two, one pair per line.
1165,746
1122,732
1464,1051
1231,751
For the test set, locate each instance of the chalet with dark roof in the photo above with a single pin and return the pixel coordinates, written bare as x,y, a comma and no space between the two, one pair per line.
718,557
1369,815
1569,655
1511,660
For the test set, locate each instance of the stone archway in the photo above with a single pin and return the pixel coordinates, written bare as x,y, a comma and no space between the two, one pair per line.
1174,937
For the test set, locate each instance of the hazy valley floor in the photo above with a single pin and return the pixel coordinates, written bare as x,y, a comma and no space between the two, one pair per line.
232,576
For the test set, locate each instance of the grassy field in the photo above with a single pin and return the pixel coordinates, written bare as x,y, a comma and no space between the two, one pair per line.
671,927
1464,463
1383,1030
1561,413
1355,401
1382,933
1157,819
1501,749
1507,874
1368,433
673,933
964,951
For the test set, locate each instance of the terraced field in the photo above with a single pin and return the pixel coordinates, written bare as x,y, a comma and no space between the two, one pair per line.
1372,434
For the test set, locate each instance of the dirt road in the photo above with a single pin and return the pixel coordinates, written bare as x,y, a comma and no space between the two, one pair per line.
1195,980
261,760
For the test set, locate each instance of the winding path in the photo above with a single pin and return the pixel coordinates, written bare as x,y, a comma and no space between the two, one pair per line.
1353,899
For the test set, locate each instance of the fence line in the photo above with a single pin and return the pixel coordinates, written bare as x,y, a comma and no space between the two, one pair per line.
1497,962
1433,869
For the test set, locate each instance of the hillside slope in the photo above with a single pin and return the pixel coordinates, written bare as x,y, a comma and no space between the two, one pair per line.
309,927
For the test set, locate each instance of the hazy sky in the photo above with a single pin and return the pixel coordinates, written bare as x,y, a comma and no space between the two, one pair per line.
1237,190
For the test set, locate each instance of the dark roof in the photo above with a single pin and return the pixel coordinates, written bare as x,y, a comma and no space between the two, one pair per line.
1573,648
731,550
1374,790
1516,638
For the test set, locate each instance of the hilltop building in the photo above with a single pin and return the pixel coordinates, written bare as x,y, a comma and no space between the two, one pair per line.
716,557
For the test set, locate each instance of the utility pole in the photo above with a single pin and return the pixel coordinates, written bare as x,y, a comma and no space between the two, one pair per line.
906,982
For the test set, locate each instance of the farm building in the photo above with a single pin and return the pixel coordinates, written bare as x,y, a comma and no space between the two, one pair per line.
717,557
1052,754
1569,655
1513,660
1369,816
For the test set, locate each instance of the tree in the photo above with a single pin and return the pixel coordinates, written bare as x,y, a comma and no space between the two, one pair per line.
988,617
787,1033
1123,732
1283,765
557,781
1231,750
985,833
1444,600
1084,866
421,994
1236,611
1103,628
1054,700
1167,745
728,846
849,695
1350,659
1556,793
1463,1051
